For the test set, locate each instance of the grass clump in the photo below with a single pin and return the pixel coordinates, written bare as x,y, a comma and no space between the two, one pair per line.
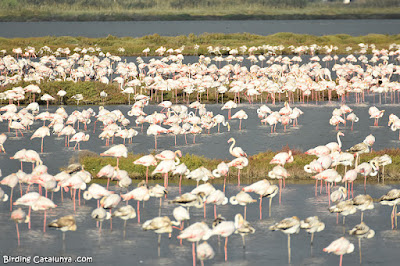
257,169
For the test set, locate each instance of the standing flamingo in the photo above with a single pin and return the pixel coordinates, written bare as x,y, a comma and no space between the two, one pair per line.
242,198
156,130
43,204
140,193
194,233
239,163
117,151
41,132
19,216
340,247
288,226
362,231
147,160
312,225
240,115
11,181
65,223
236,151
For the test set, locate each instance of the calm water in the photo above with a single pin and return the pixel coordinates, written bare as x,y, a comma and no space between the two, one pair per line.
313,130
140,248
174,28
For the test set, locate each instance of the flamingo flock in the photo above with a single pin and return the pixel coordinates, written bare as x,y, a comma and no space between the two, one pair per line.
44,192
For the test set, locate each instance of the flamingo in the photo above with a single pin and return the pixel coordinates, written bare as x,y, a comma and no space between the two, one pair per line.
340,247
344,208
156,130
140,193
204,252
240,115
159,225
282,158
362,203
335,146
181,214
194,233
222,170
224,229
181,170
65,223
216,197
382,161
117,151
147,160
236,151
362,231
108,172
278,172
242,198
164,167
125,213
97,192
3,196
19,216
353,118
239,163
43,204
243,227
229,105
312,225
27,200
376,114
330,176
11,181
3,138
78,137
189,200
367,169
100,214
392,198
200,174
288,226
41,133
109,202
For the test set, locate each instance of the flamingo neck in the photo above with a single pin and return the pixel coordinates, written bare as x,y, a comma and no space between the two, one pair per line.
338,140
231,148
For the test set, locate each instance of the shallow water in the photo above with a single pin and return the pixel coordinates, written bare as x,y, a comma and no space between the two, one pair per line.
313,130
140,247
174,28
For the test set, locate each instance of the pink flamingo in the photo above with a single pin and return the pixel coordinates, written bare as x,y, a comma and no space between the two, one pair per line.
19,216
340,247
41,132
116,151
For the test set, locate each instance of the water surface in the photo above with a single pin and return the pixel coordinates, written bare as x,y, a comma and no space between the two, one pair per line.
175,28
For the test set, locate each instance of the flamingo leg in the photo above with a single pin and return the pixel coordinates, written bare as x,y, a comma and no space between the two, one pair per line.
180,182
138,211
238,177
44,222
29,215
288,245
270,206
194,254
226,248
260,207
16,224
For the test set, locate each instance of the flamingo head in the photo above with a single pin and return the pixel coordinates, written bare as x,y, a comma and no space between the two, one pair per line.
230,140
